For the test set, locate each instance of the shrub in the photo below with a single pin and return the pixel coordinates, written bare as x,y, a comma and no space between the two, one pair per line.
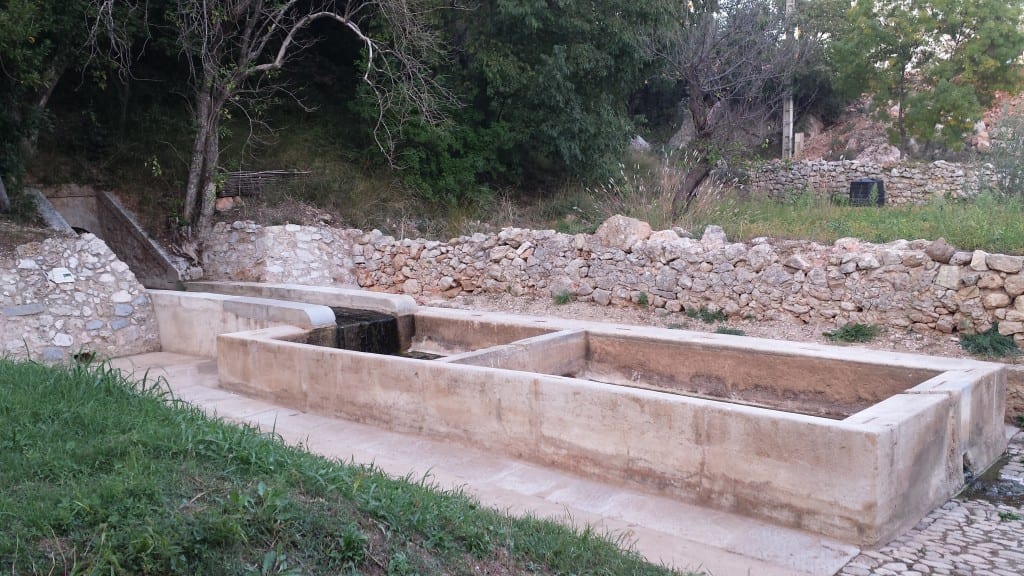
853,332
989,343
563,297
642,300
706,315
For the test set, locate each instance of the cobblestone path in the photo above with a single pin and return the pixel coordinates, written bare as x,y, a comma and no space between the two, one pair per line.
965,537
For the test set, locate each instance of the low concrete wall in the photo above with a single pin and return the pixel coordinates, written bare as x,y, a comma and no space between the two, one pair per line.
98,308
102,214
78,206
1015,394
401,307
863,479
190,322
125,235
332,296
557,354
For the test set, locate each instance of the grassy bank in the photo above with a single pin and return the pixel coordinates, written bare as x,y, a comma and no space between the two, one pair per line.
100,475
990,222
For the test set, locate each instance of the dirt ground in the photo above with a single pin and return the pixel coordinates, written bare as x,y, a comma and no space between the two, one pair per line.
14,235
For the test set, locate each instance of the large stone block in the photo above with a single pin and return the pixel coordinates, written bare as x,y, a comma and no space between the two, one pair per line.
1004,263
622,232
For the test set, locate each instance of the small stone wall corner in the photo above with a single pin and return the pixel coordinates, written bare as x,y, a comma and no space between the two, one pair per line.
70,295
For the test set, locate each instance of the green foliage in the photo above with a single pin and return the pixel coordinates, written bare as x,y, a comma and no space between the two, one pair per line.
545,87
706,315
642,300
989,343
1007,155
104,476
1009,516
939,60
853,332
453,163
729,330
562,298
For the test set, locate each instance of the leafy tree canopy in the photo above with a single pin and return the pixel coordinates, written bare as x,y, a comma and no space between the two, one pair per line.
545,87
938,61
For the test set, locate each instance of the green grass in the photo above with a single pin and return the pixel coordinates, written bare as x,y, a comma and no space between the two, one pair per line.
643,190
706,315
102,476
989,222
854,332
562,298
730,330
989,343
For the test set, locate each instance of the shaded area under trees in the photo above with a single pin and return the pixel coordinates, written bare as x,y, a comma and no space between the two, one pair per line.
736,60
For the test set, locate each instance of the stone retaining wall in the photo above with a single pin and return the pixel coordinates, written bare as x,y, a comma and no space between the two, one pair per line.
904,183
927,287
100,308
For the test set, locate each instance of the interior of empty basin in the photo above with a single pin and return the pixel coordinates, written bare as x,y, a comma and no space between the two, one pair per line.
419,337
798,383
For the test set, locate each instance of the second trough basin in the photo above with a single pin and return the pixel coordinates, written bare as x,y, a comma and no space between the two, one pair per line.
850,443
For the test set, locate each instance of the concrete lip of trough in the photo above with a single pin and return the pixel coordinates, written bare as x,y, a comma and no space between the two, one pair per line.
849,443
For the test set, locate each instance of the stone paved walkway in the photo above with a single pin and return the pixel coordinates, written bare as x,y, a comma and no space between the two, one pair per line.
963,537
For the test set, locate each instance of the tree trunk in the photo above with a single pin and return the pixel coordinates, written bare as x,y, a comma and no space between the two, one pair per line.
5,202
687,191
197,164
209,198
901,96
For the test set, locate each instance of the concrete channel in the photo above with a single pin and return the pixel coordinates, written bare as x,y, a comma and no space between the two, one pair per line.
848,444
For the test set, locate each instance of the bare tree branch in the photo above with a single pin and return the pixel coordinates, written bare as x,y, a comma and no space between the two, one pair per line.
234,46
736,61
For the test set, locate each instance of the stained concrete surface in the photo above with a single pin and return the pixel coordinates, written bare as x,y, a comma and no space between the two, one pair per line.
664,530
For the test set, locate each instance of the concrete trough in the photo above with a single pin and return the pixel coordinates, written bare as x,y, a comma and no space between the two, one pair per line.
850,443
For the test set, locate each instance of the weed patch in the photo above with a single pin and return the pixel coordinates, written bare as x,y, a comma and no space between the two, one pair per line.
730,330
562,298
1008,516
706,315
988,222
642,300
989,343
853,332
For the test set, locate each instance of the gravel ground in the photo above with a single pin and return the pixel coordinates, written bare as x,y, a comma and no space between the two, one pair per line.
888,339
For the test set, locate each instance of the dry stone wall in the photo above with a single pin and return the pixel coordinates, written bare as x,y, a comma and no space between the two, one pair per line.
927,287
96,307
904,183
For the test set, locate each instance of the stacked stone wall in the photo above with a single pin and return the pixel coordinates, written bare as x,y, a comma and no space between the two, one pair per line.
924,286
904,183
100,309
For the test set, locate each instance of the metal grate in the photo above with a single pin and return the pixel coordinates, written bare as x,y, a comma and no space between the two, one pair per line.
248,183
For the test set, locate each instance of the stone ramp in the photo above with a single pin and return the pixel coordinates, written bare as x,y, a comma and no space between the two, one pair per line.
664,530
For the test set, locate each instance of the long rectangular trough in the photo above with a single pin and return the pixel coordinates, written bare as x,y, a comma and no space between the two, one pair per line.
850,443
